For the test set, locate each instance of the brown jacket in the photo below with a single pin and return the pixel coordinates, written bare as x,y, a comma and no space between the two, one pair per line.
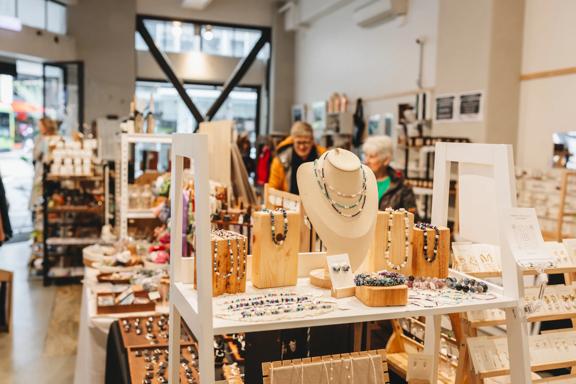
281,170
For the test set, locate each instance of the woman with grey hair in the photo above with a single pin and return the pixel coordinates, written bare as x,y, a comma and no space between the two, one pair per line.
392,192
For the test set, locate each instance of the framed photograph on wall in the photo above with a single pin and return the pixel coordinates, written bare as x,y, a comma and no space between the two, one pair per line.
298,113
319,115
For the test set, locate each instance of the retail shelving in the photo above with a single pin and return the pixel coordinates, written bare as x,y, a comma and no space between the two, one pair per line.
125,213
195,306
68,227
553,195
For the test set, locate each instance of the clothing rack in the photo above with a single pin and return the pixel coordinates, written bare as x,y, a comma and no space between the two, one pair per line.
267,367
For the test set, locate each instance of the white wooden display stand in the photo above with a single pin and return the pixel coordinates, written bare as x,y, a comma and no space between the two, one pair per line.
125,141
195,306
487,184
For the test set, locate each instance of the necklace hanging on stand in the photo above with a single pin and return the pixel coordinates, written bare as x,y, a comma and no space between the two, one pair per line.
278,238
340,207
424,227
397,267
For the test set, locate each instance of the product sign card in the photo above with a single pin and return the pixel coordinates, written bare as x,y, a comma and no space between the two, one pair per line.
525,238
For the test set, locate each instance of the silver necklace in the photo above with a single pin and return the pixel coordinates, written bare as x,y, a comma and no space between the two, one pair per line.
339,207
389,262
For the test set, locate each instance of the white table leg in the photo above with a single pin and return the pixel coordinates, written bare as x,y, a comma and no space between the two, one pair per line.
432,343
517,332
174,345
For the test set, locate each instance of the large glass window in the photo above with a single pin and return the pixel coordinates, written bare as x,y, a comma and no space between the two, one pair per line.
172,115
55,17
32,13
180,37
8,8
43,14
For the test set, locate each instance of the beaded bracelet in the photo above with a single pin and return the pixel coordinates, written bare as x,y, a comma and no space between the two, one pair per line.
380,279
467,285
431,283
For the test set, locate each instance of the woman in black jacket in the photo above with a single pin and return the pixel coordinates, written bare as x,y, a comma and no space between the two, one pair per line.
392,191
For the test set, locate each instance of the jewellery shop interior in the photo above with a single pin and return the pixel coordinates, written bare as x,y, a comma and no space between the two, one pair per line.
287,191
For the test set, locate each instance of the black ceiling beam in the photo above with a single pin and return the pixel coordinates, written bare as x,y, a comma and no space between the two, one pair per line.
239,72
164,64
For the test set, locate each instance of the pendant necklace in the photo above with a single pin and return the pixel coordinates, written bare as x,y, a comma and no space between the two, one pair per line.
278,238
424,227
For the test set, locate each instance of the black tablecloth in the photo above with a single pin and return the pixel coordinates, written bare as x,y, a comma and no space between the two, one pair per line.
117,370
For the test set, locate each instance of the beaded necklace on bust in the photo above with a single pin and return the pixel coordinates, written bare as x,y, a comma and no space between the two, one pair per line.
424,227
278,238
387,257
325,187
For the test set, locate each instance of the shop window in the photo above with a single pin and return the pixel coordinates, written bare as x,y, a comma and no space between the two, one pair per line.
172,115
8,8
32,13
182,37
55,17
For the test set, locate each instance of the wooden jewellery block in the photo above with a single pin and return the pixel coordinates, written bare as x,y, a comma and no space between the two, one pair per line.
377,252
275,265
382,296
228,265
437,268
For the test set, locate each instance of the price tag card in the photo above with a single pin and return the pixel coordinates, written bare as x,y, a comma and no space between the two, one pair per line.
525,238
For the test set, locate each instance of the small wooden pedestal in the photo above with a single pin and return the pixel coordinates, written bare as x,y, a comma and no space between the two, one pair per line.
376,254
383,296
437,268
275,265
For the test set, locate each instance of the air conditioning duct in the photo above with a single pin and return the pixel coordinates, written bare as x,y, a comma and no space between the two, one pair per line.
377,12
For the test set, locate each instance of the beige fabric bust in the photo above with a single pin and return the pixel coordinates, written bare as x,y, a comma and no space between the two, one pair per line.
340,234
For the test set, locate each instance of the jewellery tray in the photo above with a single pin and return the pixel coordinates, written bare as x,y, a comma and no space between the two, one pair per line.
138,365
267,366
132,340
149,306
107,278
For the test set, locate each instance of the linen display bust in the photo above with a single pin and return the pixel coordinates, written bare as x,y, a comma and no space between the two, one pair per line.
340,198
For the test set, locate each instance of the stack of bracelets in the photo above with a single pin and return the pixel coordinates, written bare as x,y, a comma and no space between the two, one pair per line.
432,283
379,279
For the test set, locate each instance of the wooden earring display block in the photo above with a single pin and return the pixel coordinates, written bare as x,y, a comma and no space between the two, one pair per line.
376,254
275,265
437,268
383,296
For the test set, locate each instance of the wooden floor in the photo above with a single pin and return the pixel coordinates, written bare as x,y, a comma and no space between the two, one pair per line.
22,356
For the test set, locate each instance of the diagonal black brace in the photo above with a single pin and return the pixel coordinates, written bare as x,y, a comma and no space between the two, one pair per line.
239,72
164,64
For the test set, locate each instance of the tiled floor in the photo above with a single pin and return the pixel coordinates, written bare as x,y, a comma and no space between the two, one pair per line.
21,352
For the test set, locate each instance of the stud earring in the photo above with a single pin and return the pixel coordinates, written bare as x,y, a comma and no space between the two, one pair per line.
336,267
